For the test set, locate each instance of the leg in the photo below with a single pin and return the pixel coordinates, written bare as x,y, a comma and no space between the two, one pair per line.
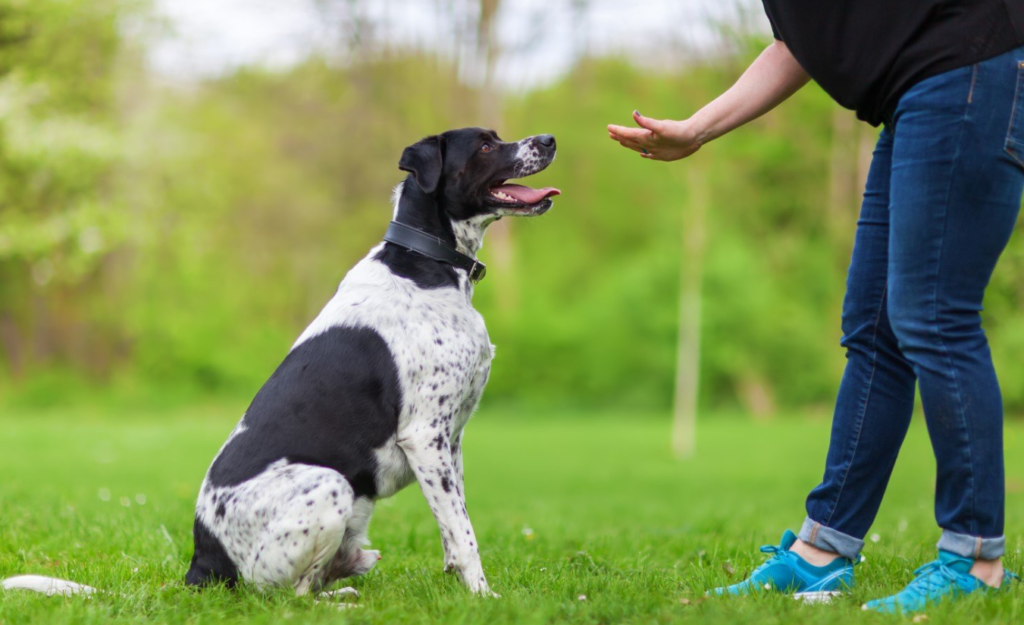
876,396
351,559
430,455
307,511
459,486
956,194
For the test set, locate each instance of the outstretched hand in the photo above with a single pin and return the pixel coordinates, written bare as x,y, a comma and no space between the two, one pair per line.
657,139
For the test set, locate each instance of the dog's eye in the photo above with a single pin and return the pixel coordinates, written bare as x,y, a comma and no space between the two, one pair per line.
487,147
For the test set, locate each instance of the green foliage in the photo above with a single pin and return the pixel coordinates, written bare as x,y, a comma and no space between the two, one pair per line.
58,143
60,149
163,241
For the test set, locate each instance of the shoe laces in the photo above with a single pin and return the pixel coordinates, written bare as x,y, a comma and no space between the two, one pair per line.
775,550
777,553
932,577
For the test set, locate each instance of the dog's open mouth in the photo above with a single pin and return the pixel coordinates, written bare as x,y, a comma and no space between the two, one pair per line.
521,196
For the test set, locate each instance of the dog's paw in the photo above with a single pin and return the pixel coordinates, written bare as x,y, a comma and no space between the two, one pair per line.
340,593
369,558
486,592
364,561
479,587
339,606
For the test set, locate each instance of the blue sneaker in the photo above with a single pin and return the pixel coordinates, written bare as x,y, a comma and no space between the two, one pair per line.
948,577
787,572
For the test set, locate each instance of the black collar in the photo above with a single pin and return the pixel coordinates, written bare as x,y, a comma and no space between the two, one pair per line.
434,247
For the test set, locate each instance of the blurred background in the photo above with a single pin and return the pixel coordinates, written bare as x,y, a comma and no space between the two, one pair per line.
184,182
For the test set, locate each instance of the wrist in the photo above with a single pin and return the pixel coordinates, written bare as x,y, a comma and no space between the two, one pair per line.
699,131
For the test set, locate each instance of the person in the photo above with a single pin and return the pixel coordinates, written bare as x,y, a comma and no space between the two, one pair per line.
946,78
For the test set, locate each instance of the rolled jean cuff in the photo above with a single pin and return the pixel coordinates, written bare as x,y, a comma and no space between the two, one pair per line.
828,539
974,547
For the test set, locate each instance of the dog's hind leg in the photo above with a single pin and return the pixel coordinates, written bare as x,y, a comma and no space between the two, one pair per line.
304,532
352,559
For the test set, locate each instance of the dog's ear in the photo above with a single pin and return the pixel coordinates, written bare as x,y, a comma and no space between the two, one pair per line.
424,160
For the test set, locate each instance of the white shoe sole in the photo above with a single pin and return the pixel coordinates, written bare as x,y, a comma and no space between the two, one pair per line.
820,596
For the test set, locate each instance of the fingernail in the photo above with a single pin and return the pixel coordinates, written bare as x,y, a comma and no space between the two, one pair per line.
637,113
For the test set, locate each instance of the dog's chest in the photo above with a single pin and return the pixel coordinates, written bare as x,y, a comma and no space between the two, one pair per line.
439,344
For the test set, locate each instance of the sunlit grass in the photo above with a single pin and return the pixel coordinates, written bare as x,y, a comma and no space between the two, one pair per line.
582,518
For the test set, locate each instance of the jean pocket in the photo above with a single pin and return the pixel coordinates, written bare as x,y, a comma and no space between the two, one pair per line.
1015,133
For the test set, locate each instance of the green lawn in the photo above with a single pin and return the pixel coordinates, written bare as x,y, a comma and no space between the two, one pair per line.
565,506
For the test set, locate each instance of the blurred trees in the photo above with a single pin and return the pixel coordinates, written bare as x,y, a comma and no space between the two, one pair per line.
60,148
174,241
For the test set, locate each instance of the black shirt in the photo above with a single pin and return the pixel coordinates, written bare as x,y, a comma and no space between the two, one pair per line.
867,53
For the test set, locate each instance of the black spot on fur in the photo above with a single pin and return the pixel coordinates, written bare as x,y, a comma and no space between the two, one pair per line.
210,561
446,485
350,400
220,511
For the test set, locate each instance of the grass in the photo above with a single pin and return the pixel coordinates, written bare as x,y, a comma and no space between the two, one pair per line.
565,506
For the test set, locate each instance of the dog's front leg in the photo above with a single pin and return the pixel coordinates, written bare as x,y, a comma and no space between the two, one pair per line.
429,452
459,485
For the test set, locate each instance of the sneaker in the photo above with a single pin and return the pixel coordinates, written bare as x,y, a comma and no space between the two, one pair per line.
948,577
787,572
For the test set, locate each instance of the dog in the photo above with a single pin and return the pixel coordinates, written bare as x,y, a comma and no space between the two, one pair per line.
374,394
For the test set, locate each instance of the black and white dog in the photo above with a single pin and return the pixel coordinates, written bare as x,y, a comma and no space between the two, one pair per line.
375,393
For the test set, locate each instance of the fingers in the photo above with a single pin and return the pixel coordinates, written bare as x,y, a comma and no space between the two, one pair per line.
630,133
654,125
635,148
663,156
628,143
642,140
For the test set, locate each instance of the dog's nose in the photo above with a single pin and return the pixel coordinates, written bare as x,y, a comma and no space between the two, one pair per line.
547,141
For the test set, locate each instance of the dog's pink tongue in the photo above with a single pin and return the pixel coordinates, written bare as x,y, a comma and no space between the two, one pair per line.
527,195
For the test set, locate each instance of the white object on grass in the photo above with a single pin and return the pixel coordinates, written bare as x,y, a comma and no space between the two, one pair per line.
46,585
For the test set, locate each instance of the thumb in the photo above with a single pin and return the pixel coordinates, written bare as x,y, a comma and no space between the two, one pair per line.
654,125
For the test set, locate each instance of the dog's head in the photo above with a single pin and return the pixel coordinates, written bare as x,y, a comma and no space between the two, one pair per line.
466,172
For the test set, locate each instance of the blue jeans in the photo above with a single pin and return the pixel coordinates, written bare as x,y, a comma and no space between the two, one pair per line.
941,201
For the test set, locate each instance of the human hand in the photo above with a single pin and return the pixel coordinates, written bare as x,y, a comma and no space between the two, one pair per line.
655,139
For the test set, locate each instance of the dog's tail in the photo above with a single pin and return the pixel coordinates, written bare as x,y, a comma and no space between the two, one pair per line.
46,585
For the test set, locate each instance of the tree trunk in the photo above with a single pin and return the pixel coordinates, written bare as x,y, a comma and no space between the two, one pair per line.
684,419
501,251
842,170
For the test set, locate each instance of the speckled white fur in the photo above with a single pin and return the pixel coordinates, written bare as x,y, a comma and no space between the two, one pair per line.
299,525
529,159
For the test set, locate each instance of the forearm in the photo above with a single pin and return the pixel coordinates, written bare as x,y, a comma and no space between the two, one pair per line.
771,78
